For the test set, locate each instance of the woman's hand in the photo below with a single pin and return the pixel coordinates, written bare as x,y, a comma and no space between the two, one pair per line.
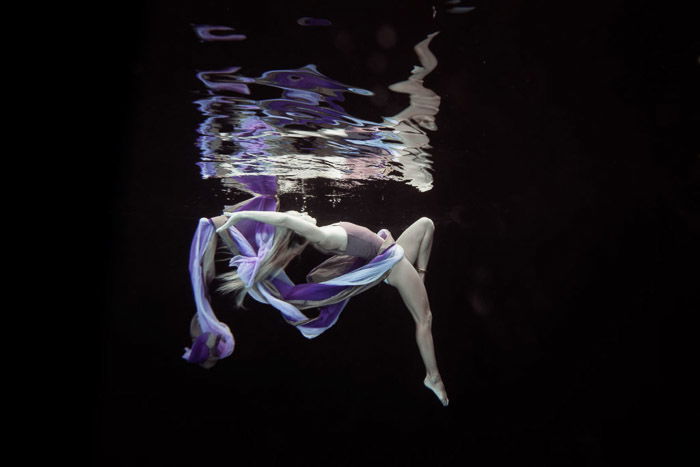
233,217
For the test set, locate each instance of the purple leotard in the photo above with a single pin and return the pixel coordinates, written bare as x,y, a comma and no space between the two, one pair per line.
362,242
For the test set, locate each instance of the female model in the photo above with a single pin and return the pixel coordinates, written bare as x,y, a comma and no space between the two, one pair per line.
292,231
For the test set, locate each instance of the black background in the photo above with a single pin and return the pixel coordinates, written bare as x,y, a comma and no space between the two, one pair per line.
565,202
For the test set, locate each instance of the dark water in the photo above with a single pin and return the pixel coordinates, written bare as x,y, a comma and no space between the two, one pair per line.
551,192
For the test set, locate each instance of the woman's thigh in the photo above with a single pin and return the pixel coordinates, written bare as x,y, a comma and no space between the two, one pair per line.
411,238
405,279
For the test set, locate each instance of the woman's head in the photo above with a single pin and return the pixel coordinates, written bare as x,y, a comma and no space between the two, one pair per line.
286,245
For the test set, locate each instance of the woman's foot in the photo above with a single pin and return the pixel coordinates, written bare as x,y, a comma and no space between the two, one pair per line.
435,384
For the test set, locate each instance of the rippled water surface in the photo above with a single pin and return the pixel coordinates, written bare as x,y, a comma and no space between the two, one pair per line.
304,132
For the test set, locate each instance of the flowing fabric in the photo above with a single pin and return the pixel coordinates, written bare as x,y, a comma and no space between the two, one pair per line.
200,278
251,242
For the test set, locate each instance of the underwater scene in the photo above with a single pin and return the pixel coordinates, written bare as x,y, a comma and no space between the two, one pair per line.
316,205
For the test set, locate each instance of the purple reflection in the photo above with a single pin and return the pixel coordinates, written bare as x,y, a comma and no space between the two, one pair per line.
223,80
308,78
306,133
459,10
306,114
207,169
211,33
253,126
307,21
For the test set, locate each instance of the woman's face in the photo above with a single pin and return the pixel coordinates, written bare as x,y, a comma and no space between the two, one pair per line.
304,216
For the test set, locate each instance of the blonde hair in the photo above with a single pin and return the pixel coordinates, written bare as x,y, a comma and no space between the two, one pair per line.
286,245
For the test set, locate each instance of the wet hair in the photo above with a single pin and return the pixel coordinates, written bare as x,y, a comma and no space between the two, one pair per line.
286,245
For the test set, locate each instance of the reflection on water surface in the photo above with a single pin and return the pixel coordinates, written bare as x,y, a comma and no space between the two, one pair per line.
304,132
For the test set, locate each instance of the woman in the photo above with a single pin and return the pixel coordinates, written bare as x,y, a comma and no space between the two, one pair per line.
401,264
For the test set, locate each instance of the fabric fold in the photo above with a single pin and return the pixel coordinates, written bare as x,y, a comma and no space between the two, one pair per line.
200,278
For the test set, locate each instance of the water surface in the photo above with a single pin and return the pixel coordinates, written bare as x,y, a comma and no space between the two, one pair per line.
304,132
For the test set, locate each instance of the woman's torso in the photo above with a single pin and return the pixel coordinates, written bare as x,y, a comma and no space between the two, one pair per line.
361,242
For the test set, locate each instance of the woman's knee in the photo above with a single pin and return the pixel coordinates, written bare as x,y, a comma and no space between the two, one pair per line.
427,223
425,320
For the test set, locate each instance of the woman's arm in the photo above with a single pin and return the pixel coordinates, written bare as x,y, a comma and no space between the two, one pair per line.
296,223
218,222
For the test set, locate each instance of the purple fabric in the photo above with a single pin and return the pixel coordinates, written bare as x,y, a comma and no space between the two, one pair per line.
328,314
259,184
200,351
223,80
312,291
200,279
251,229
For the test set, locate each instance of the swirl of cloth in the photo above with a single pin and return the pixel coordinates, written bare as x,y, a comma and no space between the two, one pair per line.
256,236
329,286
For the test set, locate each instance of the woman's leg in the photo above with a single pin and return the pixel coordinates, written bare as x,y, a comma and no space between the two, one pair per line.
417,242
405,278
